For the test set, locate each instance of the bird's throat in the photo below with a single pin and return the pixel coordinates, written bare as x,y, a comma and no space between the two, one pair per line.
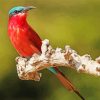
18,19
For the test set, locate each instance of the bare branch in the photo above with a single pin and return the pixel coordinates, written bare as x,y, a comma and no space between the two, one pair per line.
28,69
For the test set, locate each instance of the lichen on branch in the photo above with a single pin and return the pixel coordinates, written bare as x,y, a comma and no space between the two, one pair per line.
28,68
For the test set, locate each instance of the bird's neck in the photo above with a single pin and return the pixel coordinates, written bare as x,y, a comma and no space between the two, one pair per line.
18,20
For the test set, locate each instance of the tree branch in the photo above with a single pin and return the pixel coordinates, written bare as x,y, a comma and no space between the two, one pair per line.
28,68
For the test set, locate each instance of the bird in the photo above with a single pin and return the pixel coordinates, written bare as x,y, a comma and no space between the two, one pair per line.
26,41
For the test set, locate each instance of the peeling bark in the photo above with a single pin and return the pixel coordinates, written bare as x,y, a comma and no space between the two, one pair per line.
28,68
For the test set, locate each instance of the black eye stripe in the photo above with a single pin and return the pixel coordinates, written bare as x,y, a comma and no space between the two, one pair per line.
16,11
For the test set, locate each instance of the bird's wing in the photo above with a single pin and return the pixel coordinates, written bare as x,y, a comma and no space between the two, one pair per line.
34,38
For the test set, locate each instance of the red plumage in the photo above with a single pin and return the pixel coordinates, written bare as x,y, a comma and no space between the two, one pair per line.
23,37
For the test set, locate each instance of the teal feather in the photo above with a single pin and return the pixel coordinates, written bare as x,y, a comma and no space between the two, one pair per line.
52,70
18,8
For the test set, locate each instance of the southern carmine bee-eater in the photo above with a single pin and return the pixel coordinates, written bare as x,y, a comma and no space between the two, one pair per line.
27,42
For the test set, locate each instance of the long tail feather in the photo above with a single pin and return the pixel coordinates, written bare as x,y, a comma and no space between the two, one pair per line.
66,83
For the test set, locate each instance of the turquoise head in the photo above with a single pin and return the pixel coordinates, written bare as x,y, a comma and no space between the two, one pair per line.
19,9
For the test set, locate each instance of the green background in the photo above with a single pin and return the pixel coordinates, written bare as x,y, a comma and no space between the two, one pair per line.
72,22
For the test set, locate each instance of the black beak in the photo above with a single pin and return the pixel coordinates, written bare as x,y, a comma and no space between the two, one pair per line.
29,8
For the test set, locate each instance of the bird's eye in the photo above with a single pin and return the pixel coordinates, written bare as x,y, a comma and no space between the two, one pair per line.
15,11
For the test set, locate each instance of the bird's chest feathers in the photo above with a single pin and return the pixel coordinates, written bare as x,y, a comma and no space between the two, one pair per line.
23,38
19,36
17,29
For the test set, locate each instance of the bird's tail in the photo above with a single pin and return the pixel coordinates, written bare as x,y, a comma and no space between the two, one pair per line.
65,81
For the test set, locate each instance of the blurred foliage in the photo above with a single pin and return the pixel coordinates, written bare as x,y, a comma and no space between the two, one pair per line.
72,22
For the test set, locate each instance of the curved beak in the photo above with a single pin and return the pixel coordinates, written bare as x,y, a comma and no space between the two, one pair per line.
29,8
